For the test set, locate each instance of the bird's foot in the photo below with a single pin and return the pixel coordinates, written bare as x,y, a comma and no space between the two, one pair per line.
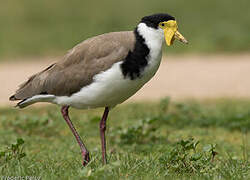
86,158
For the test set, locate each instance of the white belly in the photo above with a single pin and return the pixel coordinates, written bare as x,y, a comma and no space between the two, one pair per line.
109,88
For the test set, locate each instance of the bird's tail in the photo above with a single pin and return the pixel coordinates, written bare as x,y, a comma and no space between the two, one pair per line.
37,98
32,90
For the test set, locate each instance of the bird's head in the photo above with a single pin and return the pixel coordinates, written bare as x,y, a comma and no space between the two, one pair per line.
164,24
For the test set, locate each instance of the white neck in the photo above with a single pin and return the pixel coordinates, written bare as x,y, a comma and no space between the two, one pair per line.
153,38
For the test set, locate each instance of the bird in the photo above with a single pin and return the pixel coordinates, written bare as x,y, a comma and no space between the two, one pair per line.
102,72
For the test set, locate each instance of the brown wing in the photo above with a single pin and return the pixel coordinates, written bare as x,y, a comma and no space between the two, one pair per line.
78,66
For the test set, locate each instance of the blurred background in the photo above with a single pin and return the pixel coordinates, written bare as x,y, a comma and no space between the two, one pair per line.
44,27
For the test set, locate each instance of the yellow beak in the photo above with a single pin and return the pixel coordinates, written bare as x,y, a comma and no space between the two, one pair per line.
179,37
171,33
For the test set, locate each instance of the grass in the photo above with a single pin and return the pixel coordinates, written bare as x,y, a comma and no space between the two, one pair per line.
35,28
165,140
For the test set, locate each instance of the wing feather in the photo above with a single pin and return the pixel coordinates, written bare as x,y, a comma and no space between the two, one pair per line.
78,67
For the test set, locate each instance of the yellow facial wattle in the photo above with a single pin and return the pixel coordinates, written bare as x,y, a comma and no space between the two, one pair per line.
171,33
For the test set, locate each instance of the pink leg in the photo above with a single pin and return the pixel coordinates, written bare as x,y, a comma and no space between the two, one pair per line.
102,132
85,153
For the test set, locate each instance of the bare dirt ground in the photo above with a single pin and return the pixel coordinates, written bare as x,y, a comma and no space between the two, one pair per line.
187,76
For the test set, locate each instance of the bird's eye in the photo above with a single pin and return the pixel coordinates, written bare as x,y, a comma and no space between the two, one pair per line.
162,24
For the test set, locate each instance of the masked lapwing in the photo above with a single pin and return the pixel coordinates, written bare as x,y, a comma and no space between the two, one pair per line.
102,71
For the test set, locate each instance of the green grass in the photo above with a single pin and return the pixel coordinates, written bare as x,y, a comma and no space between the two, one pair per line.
44,27
164,140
